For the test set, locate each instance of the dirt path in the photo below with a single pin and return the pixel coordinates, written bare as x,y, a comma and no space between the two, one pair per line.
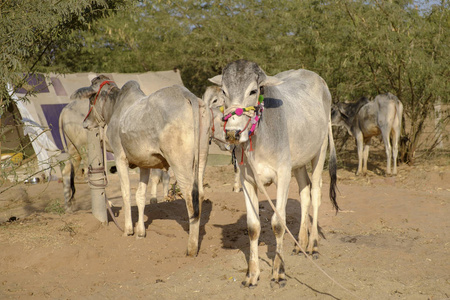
391,241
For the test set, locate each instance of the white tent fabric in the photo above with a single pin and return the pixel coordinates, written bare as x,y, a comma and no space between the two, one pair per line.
42,145
52,92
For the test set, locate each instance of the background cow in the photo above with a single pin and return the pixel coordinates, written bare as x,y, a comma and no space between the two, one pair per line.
74,140
365,119
213,98
167,128
293,129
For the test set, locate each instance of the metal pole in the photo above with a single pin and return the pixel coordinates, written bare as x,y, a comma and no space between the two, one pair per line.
97,177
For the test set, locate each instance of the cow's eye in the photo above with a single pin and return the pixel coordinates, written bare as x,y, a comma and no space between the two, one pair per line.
214,101
224,92
253,92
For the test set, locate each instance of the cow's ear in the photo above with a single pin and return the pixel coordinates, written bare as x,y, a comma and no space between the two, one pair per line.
81,93
271,81
217,80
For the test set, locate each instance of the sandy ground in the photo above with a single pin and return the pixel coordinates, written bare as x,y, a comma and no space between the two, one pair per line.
390,241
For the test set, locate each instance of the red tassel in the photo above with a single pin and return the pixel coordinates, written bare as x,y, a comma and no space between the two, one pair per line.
251,146
242,157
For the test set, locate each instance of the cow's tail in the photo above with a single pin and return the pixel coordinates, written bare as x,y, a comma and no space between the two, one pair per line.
332,168
195,188
399,113
72,180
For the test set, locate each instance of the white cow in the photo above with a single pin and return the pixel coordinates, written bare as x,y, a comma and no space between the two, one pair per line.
167,128
213,98
279,124
365,119
74,141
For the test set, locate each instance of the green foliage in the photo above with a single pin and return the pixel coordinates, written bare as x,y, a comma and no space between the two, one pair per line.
33,32
360,47
55,207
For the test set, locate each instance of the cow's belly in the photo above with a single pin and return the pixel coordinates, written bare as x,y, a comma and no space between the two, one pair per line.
370,131
143,155
152,161
305,143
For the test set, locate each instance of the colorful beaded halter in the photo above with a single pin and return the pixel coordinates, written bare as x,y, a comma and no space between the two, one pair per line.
239,111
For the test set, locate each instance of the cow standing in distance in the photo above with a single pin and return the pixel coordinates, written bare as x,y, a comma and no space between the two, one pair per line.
167,128
213,98
74,140
293,129
366,119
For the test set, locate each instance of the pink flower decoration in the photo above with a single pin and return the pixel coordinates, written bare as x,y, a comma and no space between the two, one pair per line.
239,111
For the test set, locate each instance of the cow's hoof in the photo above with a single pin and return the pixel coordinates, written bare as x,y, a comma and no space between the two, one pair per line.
141,233
192,253
237,190
297,252
280,283
250,281
153,201
245,284
128,232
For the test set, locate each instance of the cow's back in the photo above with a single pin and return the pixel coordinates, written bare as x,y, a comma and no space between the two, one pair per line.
165,126
72,116
304,102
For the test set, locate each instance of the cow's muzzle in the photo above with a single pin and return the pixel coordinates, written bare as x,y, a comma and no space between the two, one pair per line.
232,136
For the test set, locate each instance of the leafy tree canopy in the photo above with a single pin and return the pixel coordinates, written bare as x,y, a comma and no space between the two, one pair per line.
360,47
33,32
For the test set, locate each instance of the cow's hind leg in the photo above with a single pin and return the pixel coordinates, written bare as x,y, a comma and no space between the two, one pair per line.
75,159
140,200
395,141
191,194
387,145
305,199
366,155
254,230
165,183
316,197
360,147
154,178
68,175
279,224
122,171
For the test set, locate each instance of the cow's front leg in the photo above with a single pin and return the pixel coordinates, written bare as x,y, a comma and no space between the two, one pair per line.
194,231
237,187
279,224
254,230
140,200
